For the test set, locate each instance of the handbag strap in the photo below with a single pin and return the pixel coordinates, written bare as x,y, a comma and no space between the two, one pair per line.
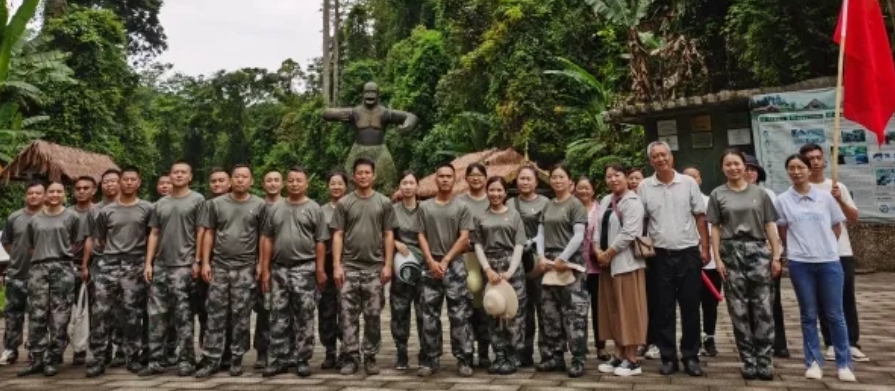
614,203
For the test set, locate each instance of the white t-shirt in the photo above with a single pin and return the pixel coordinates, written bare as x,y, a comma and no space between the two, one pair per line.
844,242
808,220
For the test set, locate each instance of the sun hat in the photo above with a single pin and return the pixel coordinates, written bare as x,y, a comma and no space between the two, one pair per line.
500,300
751,161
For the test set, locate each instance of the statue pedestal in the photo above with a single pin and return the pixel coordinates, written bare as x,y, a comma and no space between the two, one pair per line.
386,172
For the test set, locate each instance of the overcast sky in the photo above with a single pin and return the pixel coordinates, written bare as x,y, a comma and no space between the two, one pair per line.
208,35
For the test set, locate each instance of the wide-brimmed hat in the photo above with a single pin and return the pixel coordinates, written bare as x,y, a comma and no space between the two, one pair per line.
473,273
500,300
751,161
409,268
555,278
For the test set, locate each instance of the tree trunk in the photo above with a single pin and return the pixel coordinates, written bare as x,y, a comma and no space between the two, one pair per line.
337,49
327,64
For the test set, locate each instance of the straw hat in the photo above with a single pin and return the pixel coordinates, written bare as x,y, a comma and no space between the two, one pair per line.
473,273
555,278
500,300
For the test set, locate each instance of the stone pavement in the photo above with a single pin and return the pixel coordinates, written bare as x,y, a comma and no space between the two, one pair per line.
876,300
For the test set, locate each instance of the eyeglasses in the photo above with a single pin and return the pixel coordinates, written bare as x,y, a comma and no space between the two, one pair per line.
83,188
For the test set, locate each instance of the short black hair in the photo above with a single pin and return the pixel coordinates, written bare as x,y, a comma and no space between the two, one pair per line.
182,161
563,168
498,179
617,167
476,166
361,161
337,173
797,156
406,174
296,169
241,165
218,169
446,165
810,147
111,171
35,184
735,152
132,169
273,170
86,178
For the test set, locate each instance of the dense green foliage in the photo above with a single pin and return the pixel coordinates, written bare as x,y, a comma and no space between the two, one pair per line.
535,75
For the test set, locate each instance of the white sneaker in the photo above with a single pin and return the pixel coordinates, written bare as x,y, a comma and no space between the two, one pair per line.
6,358
846,375
609,366
653,353
814,372
830,354
628,369
857,355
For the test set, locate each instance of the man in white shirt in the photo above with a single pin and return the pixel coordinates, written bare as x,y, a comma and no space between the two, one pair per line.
815,155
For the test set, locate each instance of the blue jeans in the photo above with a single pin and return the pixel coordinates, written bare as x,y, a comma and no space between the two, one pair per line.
821,284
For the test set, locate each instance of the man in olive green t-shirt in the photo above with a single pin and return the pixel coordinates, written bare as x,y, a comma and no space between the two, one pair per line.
363,247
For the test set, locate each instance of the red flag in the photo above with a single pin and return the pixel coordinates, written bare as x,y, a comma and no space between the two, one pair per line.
869,80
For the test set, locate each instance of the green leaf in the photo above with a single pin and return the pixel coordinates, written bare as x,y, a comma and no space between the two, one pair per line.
13,31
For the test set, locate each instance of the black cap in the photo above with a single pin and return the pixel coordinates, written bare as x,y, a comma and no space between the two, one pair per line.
751,161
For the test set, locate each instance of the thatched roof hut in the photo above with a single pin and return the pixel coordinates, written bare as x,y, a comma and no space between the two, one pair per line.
56,162
504,163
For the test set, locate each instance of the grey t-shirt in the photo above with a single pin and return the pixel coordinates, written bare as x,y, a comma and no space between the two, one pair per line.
499,232
476,207
531,212
559,219
364,220
123,228
442,224
98,249
14,236
52,237
328,211
237,227
404,221
741,214
295,230
175,218
84,220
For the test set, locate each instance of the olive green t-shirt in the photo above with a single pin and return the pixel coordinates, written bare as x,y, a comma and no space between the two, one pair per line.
124,228
237,227
741,214
531,212
441,224
404,221
328,211
84,220
476,207
363,221
295,230
52,237
98,248
175,218
559,219
14,236
499,232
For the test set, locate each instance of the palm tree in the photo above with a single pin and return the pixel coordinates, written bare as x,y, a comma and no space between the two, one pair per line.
630,14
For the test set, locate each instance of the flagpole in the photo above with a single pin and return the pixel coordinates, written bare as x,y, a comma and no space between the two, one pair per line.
837,118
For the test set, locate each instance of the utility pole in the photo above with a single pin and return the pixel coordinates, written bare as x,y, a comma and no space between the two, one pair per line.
327,64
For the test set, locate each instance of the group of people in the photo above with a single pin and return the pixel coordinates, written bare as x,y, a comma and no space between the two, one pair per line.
630,259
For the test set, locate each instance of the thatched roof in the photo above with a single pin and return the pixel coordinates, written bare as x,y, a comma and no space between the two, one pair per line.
57,163
635,113
504,163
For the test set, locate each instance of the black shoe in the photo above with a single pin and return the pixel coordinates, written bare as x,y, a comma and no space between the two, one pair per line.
236,366
669,368
207,368
329,362
781,353
370,366
508,367
401,361
708,344
577,368
134,367
484,360
302,369
185,369
51,369
764,373
748,372
495,365
118,360
464,368
526,362
171,361
691,366
552,364
151,370
79,359
261,362
95,370
274,370
33,368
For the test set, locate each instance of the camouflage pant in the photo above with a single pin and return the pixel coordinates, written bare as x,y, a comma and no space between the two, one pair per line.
169,304
261,339
508,336
534,319
386,173
292,304
459,308
120,293
198,299
565,317
16,306
750,299
51,297
328,312
230,293
361,293
403,298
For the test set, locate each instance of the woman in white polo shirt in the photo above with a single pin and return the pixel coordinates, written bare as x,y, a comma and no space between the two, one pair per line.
810,224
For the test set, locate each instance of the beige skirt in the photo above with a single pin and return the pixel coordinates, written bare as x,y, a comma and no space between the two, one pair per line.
622,308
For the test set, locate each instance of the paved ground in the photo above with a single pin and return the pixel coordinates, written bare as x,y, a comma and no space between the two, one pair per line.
876,298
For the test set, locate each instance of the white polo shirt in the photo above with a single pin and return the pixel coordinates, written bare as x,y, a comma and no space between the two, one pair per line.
809,220
670,209
844,242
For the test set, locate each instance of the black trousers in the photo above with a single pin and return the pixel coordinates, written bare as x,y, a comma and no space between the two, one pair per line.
779,325
710,303
849,306
593,286
677,278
